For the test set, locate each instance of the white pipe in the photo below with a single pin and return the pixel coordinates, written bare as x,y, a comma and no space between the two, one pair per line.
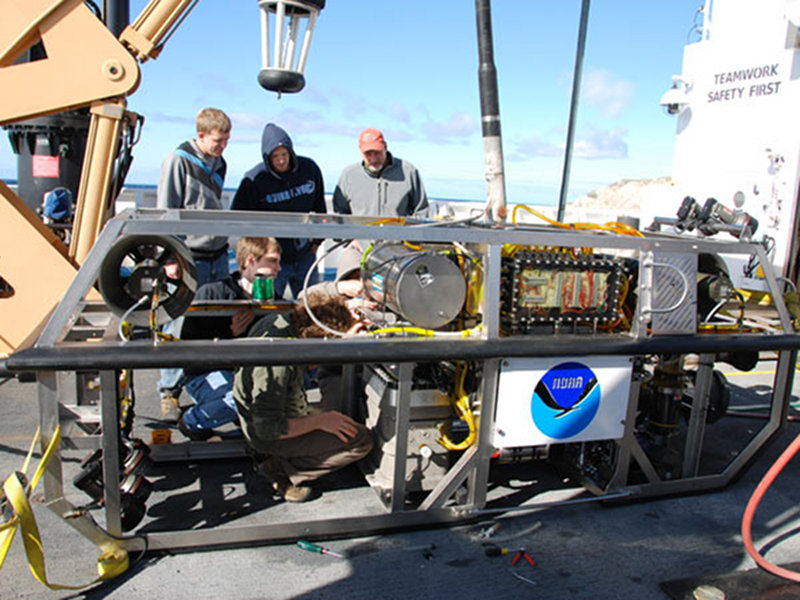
280,13
312,20
707,21
264,37
291,42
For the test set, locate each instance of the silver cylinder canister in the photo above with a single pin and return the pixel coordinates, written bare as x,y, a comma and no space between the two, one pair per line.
425,287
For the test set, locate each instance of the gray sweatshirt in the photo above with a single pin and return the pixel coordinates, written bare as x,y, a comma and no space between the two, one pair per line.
193,180
396,191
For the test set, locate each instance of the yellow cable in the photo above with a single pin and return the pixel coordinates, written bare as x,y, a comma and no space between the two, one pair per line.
153,309
710,327
388,220
625,229
537,214
614,226
465,333
460,401
364,255
403,329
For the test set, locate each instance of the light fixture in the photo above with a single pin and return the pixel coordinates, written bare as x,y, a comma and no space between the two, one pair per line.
676,98
282,64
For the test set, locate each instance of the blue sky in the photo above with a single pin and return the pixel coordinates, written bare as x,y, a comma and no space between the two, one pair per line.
410,69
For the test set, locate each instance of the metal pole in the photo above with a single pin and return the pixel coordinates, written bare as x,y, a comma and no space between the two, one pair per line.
573,108
490,115
116,15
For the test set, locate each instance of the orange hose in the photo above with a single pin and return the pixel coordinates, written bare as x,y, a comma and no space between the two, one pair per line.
752,505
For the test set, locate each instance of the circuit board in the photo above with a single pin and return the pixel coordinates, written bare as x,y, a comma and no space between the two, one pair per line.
556,288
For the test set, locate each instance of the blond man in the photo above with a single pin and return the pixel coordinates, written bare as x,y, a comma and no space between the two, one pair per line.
212,391
192,177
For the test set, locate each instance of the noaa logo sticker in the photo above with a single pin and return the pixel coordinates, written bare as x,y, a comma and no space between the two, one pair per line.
565,400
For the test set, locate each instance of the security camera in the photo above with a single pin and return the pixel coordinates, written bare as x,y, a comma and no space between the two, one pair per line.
674,101
676,98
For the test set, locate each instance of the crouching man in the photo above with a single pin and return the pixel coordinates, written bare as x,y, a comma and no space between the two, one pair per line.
212,391
296,444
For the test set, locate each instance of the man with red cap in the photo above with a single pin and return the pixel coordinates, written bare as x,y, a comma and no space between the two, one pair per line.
380,185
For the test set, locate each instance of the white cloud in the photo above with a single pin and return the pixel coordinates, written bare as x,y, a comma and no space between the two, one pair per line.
293,120
167,118
610,95
400,113
456,129
596,143
316,96
592,143
354,108
246,121
533,147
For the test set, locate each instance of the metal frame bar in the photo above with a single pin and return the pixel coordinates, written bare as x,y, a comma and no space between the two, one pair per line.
53,352
697,418
402,416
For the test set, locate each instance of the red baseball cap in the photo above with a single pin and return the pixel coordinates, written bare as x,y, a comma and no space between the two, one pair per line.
371,139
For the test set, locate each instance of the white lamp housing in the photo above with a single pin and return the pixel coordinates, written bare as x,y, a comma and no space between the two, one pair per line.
282,57
677,97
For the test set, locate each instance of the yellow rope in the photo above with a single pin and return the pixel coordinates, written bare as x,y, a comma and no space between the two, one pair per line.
112,562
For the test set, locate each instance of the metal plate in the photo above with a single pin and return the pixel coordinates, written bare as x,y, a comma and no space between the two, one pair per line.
557,400
674,293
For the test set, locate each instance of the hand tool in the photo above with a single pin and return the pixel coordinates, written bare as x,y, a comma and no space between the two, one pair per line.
495,550
315,548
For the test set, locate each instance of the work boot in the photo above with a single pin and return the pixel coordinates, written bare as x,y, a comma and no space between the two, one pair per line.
281,483
295,493
170,408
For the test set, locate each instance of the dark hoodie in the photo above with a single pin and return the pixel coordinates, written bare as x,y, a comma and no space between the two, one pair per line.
300,189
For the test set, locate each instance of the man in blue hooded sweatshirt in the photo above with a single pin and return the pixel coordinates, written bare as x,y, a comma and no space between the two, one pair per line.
285,182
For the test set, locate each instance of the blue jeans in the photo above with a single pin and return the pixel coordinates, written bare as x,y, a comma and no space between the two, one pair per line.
212,270
294,273
212,393
207,271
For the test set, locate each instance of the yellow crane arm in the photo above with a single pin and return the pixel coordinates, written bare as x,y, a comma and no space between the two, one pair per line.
85,66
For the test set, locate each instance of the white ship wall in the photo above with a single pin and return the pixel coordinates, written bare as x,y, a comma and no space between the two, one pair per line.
738,137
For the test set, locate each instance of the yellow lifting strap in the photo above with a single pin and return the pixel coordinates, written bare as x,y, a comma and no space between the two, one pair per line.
17,513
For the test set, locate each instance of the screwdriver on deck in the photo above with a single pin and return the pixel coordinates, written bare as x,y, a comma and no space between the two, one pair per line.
314,548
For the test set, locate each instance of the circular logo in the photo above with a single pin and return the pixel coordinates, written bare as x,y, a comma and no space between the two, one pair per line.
565,400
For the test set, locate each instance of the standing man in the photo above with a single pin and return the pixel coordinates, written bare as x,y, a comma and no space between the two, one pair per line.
381,184
192,177
212,391
285,182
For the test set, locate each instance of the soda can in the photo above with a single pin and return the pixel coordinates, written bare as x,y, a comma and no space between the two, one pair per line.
263,287
260,287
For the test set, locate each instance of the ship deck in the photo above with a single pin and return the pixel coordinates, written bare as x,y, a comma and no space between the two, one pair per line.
655,549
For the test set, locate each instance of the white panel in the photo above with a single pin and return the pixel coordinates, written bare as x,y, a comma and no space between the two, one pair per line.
737,141
556,400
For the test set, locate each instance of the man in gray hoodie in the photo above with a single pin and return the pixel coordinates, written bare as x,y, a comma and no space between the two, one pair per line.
192,177
380,185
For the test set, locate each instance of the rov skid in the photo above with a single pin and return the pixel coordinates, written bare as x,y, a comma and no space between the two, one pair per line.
596,353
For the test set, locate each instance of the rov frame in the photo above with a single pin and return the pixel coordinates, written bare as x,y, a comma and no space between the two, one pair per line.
80,336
